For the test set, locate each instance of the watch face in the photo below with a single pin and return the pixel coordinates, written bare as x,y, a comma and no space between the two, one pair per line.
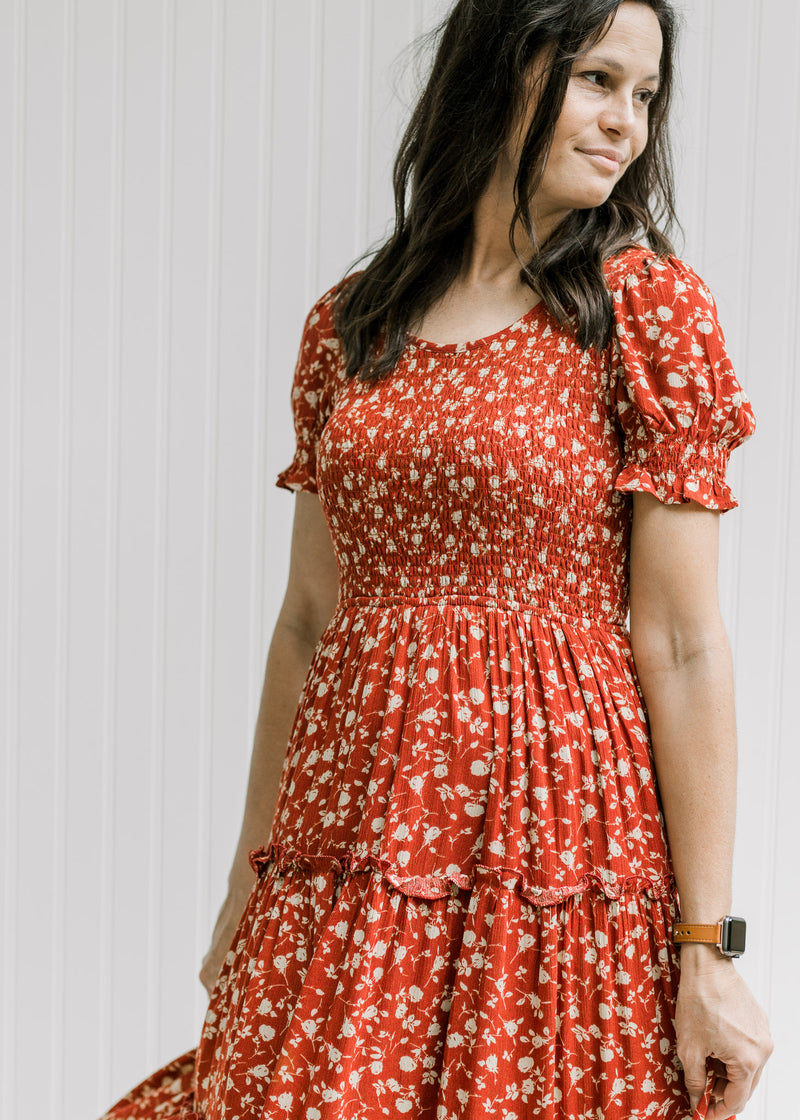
733,936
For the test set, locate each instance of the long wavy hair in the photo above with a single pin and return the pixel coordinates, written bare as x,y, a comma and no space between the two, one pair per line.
478,84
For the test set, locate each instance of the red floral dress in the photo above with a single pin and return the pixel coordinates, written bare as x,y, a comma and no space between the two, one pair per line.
463,909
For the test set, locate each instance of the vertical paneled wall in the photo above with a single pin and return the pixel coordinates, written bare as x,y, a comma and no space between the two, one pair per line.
182,178
739,179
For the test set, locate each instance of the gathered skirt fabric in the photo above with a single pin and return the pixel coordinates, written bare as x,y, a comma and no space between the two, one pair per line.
426,936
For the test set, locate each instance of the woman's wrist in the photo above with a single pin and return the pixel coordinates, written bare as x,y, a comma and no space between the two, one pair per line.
699,956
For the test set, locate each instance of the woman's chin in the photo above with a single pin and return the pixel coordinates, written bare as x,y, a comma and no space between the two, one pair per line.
587,198
593,198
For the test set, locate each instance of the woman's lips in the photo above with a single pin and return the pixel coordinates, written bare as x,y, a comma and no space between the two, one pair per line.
602,158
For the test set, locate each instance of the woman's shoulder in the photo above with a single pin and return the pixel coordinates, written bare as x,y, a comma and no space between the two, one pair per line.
320,371
320,349
321,314
639,271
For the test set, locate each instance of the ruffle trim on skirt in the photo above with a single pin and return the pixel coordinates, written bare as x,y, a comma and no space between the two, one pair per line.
598,880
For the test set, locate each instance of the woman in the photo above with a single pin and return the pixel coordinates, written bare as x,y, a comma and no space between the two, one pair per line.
494,806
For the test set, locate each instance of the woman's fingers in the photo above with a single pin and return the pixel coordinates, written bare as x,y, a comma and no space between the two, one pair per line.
208,976
718,1016
224,931
695,1076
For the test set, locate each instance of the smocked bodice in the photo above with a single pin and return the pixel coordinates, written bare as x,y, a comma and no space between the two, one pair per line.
484,470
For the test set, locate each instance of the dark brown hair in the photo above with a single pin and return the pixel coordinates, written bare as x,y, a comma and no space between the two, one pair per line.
458,129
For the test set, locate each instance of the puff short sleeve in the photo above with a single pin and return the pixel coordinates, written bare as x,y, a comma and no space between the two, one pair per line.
676,397
316,377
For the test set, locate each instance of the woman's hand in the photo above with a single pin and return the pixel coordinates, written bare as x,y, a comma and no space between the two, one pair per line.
225,928
718,1016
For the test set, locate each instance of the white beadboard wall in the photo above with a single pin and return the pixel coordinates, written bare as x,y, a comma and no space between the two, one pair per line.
181,179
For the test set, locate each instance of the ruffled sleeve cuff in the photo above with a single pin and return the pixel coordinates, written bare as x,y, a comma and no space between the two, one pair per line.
676,473
299,475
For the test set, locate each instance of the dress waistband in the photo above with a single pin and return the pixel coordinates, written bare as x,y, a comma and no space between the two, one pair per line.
462,602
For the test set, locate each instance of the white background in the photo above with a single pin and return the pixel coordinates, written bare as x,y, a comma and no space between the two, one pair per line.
180,179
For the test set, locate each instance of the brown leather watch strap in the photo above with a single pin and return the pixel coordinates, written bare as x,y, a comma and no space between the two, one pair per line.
690,931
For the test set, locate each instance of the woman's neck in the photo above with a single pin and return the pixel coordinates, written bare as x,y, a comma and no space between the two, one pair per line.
491,260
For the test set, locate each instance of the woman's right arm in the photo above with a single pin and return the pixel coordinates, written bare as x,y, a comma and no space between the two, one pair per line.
308,605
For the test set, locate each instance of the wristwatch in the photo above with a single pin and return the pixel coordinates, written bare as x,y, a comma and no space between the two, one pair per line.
728,934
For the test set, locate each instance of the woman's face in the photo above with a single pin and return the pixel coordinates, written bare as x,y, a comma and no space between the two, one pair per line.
602,127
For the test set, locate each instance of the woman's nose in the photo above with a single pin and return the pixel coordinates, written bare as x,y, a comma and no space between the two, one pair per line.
619,116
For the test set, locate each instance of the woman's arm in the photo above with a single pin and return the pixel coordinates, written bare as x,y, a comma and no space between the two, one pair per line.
693,726
683,661
308,606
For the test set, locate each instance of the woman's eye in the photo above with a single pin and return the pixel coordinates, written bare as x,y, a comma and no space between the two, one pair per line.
600,78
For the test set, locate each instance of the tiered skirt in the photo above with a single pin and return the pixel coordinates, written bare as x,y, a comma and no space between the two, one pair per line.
463,909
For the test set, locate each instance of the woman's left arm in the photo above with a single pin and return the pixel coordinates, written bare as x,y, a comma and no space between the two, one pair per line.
685,670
